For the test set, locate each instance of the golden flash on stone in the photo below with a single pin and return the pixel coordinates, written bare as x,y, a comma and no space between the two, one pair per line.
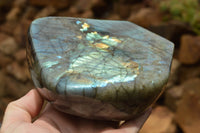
101,45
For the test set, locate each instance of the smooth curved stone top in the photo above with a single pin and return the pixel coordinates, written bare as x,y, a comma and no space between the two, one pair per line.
99,69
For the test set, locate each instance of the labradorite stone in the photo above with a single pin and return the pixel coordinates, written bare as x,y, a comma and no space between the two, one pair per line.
98,69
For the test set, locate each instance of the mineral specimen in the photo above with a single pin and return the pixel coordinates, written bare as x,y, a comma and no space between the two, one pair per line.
98,69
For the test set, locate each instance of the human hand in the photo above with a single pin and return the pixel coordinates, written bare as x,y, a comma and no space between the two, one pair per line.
19,117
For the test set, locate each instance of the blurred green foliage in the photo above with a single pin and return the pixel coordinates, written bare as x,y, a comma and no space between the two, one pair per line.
187,11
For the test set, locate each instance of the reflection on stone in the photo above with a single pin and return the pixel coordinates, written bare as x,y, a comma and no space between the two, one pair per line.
98,69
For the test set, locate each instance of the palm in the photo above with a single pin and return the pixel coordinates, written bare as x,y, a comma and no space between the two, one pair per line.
19,114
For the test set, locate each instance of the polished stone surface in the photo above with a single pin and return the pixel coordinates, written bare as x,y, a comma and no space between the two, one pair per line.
98,69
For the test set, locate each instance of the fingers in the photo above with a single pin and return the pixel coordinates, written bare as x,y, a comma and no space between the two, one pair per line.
133,126
23,109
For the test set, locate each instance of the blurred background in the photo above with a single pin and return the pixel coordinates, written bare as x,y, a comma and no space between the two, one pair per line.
177,110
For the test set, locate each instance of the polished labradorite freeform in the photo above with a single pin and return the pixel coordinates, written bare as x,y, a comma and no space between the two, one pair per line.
98,69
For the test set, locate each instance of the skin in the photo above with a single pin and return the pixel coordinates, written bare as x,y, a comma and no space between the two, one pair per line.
23,116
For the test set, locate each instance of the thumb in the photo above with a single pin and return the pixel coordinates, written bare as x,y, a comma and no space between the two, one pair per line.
23,109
